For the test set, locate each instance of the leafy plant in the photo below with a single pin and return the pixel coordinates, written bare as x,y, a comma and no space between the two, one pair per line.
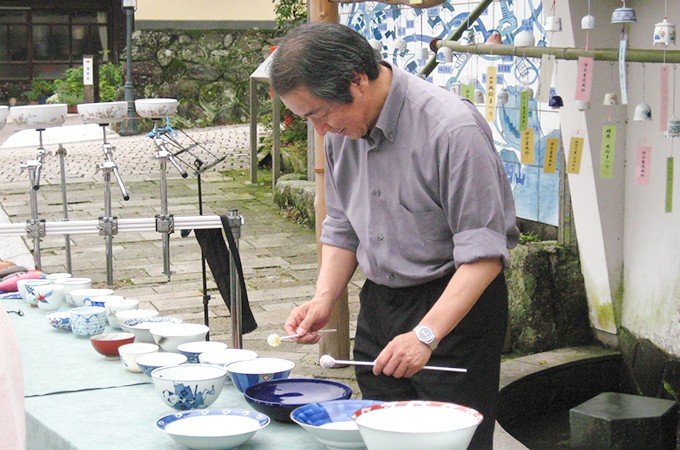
40,89
69,88
290,13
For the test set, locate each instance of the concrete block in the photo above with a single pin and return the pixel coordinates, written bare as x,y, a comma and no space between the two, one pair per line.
613,420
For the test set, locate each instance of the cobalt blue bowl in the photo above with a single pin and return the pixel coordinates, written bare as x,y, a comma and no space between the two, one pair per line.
278,398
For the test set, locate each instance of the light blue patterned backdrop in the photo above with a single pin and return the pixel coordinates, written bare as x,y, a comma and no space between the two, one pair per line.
404,31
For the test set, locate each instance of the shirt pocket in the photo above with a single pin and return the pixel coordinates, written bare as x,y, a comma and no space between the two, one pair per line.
430,225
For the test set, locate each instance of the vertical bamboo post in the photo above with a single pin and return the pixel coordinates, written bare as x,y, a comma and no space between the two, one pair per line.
334,344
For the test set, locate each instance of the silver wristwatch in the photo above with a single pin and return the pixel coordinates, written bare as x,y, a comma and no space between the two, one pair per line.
426,336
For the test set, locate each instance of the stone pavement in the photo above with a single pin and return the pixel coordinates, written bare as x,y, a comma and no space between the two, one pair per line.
279,257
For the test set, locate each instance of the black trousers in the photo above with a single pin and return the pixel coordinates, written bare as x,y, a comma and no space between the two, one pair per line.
475,344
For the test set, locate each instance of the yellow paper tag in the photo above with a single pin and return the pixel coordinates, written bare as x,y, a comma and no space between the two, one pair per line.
523,110
468,92
607,151
527,146
551,152
491,93
575,151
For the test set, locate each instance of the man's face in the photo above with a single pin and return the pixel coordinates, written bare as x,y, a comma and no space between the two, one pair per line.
349,120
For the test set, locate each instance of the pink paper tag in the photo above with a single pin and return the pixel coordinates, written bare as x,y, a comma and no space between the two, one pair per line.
585,77
663,108
642,165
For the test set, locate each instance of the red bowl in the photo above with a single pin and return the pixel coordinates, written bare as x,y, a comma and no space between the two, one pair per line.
107,344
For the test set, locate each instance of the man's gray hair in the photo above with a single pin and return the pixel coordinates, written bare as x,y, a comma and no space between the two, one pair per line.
323,57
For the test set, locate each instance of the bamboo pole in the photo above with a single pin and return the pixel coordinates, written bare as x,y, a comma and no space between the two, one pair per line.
334,344
565,53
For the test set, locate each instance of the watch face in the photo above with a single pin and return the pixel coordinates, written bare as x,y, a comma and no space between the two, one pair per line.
425,335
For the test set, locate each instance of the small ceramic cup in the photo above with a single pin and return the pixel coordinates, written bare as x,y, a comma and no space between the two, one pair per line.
72,284
101,300
588,22
88,321
664,33
130,352
49,297
79,296
479,96
610,99
26,289
553,23
642,112
58,276
113,307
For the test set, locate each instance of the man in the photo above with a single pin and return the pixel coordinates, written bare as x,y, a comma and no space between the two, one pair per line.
417,196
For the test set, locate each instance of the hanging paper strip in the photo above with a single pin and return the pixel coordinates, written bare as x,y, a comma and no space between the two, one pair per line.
663,107
669,184
585,78
491,93
622,71
527,145
642,164
468,92
575,152
550,161
545,78
523,110
607,151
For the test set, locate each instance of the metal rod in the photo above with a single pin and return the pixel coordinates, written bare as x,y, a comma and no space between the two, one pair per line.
562,53
61,152
235,222
33,224
472,16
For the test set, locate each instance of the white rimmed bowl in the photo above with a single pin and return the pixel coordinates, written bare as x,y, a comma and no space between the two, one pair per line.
156,108
192,350
189,386
136,313
140,326
60,320
102,113
88,321
38,116
4,112
212,429
249,372
71,284
130,352
170,335
115,305
152,361
424,425
27,290
331,422
83,297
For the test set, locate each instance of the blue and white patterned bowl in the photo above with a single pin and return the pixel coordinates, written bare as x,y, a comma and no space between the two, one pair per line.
331,422
212,428
189,386
88,321
152,361
249,372
192,350
61,320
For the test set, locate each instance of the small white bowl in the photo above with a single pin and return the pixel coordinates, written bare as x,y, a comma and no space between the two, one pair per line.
189,386
212,428
4,112
38,116
130,352
114,306
124,315
103,113
192,350
152,361
140,327
83,297
156,108
225,357
170,335
249,372
424,425
72,284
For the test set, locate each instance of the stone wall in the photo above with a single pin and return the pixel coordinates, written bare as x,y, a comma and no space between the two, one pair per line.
208,71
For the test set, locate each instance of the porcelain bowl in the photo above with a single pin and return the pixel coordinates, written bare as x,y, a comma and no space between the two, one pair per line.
115,306
212,429
130,352
107,344
102,113
38,116
249,372
72,284
88,321
83,297
278,398
424,425
192,350
152,361
189,386
122,316
331,422
60,320
225,357
156,108
170,335
140,326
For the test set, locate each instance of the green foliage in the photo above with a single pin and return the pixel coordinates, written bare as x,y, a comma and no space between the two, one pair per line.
40,89
529,237
69,88
290,13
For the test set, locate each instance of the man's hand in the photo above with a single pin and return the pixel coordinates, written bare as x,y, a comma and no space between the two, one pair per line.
307,319
402,357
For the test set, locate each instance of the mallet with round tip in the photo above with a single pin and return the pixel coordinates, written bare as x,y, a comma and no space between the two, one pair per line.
327,362
274,340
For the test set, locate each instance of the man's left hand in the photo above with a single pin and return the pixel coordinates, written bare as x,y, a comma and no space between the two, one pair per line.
402,357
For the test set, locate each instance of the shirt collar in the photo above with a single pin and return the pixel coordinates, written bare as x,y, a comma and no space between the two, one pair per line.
388,119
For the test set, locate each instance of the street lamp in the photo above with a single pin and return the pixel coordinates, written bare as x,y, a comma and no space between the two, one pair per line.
130,126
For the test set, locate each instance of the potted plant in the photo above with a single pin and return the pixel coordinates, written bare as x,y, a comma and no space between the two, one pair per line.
40,90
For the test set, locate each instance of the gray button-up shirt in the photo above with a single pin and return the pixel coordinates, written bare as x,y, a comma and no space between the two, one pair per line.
425,192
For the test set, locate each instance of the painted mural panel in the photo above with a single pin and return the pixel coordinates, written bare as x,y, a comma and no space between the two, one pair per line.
404,34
